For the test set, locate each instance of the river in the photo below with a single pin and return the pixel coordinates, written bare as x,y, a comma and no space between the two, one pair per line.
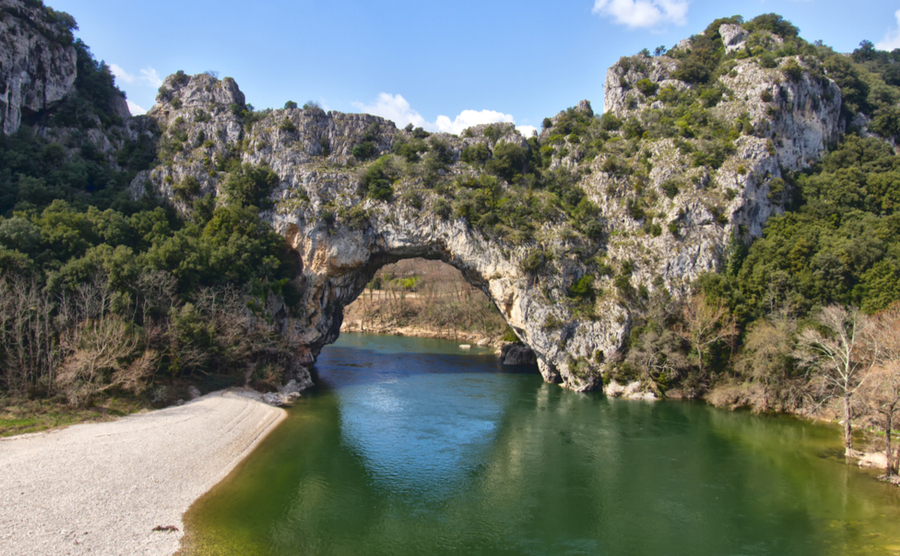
414,447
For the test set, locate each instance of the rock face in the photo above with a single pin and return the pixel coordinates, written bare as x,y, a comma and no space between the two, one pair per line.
789,124
342,236
733,36
339,252
37,63
39,75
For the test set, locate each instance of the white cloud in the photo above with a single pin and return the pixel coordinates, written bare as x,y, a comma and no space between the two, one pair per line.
527,130
134,108
397,109
892,39
121,75
392,107
468,118
643,13
148,76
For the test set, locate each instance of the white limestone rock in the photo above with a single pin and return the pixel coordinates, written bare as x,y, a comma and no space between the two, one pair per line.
37,63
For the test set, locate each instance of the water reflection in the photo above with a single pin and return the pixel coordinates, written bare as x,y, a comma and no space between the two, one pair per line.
446,454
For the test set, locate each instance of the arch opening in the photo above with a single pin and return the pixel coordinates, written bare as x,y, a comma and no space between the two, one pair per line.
425,297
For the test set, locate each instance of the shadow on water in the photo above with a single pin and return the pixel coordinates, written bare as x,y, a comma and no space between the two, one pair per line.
418,449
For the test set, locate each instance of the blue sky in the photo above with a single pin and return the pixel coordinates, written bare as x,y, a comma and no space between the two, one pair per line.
442,65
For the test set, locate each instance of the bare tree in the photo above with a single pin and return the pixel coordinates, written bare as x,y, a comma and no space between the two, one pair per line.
833,352
658,355
881,388
767,359
29,351
103,354
705,325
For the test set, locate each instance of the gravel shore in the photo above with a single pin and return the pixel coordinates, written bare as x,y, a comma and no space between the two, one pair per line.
102,488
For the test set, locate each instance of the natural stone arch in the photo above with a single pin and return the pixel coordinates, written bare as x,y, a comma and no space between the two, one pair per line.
342,233
338,265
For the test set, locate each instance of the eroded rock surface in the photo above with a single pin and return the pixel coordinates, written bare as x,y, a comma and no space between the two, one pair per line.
37,63
341,234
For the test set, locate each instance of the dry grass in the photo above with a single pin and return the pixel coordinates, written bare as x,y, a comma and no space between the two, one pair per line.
21,416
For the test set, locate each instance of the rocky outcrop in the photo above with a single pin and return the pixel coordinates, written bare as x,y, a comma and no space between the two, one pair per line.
689,213
631,391
733,36
40,87
701,210
37,62
341,236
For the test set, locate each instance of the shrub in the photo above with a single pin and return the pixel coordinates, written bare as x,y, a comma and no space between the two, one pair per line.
476,154
364,150
533,261
509,160
766,96
250,185
376,182
646,87
635,209
287,125
776,190
670,188
767,60
356,217
691,70
609,122
711,97
792,70
583,288
493,133
412,199
188,187
673,228
410,150
442,208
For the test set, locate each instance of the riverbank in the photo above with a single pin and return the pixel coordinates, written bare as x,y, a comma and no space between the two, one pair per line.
464,336
121,487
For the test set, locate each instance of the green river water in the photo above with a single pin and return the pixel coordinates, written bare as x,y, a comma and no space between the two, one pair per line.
413,447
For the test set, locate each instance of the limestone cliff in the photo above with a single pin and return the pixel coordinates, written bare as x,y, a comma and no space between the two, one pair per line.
51,82
342,234
786,124
37,62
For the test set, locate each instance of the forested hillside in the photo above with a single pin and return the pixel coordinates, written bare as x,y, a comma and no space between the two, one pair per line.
103,292
139,255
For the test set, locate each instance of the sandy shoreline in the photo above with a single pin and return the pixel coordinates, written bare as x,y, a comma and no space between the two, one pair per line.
101,488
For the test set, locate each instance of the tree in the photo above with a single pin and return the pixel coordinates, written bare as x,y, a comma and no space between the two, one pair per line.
658,355
832,349
881,387
767,359
706,324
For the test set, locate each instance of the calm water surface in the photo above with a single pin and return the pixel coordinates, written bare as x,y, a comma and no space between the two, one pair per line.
413,447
